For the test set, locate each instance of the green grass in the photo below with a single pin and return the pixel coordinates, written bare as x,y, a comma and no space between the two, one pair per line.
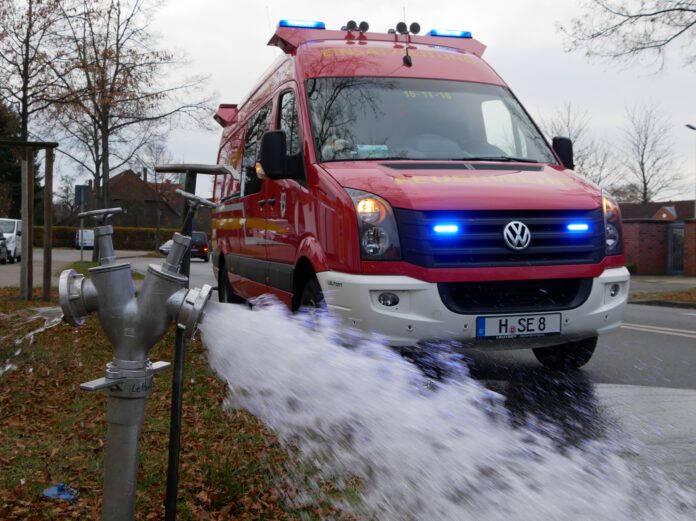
83,267
52,432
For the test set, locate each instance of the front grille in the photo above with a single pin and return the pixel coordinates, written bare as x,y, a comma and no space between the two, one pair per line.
479,242
514,296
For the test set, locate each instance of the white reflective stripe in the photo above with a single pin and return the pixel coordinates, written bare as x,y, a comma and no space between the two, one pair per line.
660,330
689,331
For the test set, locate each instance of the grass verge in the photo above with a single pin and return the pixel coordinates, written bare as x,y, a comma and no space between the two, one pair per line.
688,295
52,432
83,267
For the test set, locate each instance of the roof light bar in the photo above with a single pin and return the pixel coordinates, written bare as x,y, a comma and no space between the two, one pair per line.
448,33
302,24
445,229
578,227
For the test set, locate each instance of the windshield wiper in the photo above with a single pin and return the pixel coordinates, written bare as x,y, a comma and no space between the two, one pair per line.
497,158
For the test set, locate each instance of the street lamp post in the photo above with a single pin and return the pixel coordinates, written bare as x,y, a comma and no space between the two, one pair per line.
692,127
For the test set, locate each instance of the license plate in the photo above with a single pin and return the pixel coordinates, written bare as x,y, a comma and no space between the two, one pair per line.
514,326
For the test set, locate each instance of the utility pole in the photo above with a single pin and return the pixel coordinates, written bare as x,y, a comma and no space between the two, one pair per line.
692,127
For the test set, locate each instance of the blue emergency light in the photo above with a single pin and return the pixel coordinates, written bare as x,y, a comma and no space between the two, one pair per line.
578,227
302,24
448,33
445,229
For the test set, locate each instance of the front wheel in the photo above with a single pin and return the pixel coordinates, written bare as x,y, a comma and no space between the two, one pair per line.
226,294
11,257
568,356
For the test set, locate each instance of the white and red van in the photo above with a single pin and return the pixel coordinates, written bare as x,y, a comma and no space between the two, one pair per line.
396,178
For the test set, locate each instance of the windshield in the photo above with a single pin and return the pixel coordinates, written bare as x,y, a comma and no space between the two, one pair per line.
7,226
399,118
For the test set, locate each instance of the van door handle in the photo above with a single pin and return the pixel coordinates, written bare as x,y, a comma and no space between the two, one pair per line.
262,202
272,201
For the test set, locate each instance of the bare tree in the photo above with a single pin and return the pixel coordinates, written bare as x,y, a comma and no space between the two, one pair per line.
649,159
27,28
621,29
593,157
66,207
115,78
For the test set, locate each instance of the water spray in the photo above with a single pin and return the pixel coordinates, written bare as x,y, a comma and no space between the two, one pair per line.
133,326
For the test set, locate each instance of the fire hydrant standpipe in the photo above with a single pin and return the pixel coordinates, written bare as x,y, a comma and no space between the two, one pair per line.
133,326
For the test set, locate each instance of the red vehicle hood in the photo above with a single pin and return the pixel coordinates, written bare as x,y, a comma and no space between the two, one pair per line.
454,186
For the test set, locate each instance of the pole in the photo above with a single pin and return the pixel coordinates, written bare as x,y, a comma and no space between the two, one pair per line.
48,224
693,127
178,374
26,224
29,231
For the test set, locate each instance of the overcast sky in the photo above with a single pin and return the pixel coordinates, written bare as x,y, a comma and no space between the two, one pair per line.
227,41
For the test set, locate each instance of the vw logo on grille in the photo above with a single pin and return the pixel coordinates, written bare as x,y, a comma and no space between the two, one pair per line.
516,235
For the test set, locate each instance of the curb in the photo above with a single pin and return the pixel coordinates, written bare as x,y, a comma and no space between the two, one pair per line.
664,303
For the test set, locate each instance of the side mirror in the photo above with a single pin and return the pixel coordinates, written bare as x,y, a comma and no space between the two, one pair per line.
19,233
563,147
273,155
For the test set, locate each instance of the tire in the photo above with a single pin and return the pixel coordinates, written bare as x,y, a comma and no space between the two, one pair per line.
11,257
226,294
3,261
206,258
566,357
311,297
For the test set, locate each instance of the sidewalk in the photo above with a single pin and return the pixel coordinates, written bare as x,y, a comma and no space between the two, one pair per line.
652,286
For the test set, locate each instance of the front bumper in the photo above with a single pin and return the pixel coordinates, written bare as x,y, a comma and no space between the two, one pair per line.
421,316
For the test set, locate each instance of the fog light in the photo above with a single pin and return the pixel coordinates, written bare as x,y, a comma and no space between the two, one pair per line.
388,299
614,290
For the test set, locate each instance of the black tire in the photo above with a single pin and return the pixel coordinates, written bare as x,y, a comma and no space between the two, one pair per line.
11,258
226,294
3,261
567,357
311,297
206,258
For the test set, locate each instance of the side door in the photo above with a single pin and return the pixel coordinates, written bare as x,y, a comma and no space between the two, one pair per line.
250,264
284,198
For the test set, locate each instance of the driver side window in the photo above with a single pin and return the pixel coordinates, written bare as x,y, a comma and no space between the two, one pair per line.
257,125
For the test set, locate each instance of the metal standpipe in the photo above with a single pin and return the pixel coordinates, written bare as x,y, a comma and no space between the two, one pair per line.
133,326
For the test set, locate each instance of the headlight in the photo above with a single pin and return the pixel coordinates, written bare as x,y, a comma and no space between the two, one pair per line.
612,225
379,238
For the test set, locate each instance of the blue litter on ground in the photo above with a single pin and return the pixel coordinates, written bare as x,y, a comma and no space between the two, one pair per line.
61,491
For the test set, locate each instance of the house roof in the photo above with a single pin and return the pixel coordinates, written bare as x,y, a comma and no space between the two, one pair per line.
129,185
681,209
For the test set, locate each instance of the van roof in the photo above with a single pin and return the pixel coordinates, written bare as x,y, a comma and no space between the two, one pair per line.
322,53
290,38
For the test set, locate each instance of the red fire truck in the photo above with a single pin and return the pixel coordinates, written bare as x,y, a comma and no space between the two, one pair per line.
395,180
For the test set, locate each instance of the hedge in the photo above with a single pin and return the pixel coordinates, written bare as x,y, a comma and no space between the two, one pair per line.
125,238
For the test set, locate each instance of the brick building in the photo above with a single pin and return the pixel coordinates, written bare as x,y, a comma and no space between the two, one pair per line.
660,237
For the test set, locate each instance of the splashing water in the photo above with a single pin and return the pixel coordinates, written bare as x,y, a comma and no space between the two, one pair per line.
51,316
422,450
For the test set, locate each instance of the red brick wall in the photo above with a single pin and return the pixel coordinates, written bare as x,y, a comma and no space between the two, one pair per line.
690,248
645,243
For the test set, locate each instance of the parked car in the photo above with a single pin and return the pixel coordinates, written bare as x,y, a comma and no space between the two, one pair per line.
200,248
3,249
12,230
87,241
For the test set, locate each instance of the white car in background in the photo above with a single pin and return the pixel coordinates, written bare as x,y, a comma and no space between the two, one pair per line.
12,230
